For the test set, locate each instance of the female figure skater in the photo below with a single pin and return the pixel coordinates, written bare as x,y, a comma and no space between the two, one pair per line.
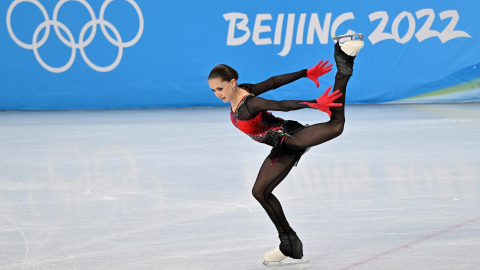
289,139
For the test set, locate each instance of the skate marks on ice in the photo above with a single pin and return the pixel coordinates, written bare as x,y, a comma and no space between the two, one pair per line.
412,243
8,233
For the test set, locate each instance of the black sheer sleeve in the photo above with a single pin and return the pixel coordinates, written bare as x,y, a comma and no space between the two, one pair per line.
255,105
274,82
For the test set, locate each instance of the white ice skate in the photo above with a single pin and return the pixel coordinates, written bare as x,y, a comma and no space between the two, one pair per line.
276,258
349,44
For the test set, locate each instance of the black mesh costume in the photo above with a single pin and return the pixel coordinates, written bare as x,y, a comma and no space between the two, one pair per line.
289,140
252,118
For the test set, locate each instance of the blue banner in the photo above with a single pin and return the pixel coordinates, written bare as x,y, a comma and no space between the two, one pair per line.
108,54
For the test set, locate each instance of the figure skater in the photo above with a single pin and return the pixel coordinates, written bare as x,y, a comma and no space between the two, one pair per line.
289,139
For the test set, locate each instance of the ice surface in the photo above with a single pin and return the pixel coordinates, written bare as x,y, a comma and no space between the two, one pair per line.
171,189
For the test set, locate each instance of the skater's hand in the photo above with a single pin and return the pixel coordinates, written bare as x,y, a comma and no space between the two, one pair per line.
320,69
325,101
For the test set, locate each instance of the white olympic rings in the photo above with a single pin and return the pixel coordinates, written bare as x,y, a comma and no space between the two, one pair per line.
70,42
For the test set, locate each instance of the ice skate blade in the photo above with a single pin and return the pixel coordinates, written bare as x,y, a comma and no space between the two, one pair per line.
343,38
282,263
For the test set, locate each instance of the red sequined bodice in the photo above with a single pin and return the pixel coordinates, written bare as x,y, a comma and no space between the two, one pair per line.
263,128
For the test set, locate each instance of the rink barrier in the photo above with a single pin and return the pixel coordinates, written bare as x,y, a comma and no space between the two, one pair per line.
112,54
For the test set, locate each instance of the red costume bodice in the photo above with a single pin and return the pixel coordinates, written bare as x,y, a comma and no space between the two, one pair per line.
263,128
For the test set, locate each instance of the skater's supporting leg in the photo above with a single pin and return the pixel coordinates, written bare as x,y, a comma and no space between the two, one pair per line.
267,180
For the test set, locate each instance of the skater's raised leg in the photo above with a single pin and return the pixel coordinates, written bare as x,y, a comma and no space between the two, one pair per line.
323,132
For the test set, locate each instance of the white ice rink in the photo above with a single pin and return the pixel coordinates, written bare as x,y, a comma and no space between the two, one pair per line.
171,189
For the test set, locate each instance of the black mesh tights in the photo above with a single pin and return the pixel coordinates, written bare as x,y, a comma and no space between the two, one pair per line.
270,176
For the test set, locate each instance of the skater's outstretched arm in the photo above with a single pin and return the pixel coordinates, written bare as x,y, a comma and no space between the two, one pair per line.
274,82
257,104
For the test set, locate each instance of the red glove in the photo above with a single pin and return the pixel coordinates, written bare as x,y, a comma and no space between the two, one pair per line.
325,101
318,70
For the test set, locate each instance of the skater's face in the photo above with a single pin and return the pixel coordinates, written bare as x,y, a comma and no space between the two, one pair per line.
222,89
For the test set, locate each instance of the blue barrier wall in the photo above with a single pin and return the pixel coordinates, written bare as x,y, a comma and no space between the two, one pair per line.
92,54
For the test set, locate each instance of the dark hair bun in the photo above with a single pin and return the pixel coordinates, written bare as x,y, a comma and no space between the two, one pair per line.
224,72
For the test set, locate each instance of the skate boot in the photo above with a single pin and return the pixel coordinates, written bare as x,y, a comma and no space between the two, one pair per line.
345,52
290,246
349,44
276,258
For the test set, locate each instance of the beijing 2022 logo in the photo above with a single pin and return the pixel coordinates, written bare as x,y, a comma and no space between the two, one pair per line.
70,41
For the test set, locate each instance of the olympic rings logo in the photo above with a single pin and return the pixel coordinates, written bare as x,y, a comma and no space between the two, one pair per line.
70,40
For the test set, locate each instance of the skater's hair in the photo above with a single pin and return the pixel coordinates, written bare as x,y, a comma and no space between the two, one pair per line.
223,72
